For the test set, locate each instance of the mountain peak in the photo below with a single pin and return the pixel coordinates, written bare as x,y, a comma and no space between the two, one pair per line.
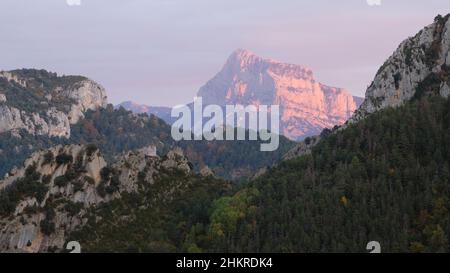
244,58
307,106
243,53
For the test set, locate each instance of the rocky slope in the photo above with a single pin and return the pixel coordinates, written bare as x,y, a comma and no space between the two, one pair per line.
306,106
420,66
51,196
44,103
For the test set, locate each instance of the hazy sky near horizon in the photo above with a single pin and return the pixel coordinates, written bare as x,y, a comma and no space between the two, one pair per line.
160,52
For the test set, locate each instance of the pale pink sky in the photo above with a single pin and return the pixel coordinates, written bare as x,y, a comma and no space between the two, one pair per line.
160,52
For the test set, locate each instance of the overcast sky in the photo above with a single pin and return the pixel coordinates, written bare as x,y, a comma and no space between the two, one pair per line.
159,52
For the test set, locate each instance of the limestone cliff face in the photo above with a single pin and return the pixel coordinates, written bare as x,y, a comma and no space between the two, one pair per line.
22,228
47,199
420,66
52,122
87,95
306,105
43,103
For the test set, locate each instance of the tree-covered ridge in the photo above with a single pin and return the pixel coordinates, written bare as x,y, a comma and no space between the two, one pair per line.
386,179
16,147
41,87
32,91
115,131
46,80
170,215
237,159
383,179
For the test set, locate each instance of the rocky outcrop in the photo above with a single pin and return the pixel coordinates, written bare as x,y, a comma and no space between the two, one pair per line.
206,171
149,151
50,197
87,95
420,66
42,103
302,148
51,122
38,222
10,76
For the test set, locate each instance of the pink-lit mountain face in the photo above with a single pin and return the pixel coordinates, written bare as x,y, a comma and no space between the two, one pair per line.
306,106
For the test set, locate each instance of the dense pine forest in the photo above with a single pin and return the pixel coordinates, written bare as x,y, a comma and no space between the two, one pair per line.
383,179
386,179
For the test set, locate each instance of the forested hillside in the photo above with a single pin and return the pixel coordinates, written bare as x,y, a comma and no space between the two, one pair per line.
383,179
117,130
386,179
166,216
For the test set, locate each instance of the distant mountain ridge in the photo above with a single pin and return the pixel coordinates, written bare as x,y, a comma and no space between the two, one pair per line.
306,106
159,111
